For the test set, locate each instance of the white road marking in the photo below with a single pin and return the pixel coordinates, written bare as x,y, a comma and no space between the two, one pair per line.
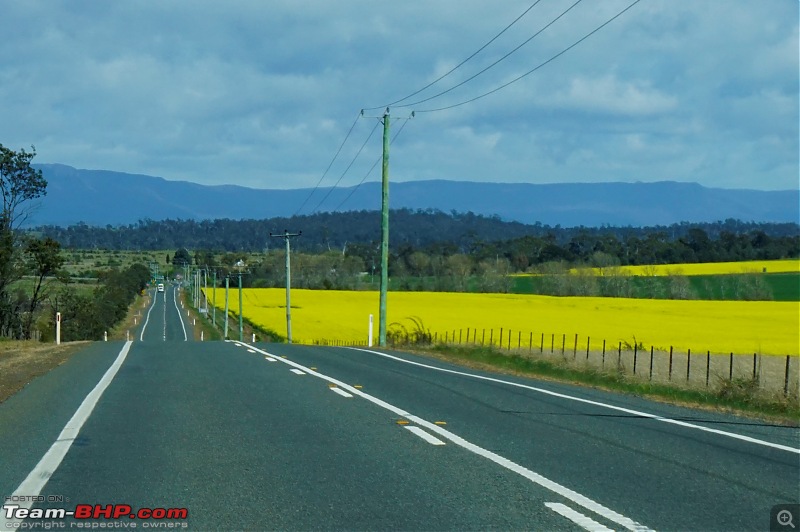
534,477
269,359
341,392
147,319
250,351
577,517
36,479
298,372
424,435
175,300
595,403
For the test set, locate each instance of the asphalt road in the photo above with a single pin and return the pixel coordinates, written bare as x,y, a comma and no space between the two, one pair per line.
294,437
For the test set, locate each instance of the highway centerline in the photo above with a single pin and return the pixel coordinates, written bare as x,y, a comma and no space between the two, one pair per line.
577,517
663,419
534,477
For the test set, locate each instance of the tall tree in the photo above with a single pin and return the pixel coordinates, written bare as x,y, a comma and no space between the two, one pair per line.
19,184
44,260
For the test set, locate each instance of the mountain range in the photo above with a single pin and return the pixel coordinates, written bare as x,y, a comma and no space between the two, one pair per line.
101,197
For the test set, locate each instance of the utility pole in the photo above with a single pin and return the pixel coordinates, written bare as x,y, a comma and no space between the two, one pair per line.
286,236
241,325
384,231
227,282
214,302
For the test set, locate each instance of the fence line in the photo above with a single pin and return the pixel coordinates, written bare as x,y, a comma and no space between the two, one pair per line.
695,369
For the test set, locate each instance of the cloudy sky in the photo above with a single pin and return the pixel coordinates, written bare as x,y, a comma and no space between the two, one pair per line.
262,93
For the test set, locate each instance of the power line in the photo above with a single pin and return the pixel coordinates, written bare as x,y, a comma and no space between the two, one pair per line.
476,52
347,169
526,41
531,71
405,121
329,165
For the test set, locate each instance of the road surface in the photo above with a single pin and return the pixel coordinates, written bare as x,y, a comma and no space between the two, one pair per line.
277,436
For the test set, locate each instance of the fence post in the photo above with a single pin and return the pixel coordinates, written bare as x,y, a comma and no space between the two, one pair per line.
467,334
670,363
552,342
786,378
635,354
459,335
446,336
519,340
619,356
491,337
541,346
530,343
563,343
588,339
501,338
575,348
708,366
509,340
604,354
730,369
651,362
483,337
688,363
754,366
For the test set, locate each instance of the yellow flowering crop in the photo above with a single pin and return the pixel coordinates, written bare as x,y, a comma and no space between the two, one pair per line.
742,327
714,268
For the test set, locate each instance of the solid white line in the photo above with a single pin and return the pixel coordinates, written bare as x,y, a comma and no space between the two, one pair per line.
147,319
298,372
36,479
424,435
594,403
341,392
577,517
536,478
175,300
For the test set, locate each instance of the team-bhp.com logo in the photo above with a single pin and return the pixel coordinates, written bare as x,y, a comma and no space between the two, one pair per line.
14,512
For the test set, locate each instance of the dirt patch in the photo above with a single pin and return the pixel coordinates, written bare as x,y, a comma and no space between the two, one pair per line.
21,362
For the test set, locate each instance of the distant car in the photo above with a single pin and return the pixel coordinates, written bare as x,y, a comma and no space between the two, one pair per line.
160,287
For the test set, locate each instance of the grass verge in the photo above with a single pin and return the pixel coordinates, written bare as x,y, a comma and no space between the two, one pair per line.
740,396
23,361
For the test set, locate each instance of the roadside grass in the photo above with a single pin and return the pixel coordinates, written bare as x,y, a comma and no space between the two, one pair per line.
739,396
22,361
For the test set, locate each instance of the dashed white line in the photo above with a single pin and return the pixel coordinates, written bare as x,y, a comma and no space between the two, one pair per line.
594,403
270,359
534,477
577,517
424,435
298,372
341,392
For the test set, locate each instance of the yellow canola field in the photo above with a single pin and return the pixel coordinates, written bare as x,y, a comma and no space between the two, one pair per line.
742,327
712,268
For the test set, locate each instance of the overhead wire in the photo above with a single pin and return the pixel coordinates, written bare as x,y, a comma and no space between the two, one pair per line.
506,56
358,153
349,132
405,121
531,71
476,52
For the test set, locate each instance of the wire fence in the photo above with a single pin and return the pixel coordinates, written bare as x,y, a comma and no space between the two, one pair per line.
683,368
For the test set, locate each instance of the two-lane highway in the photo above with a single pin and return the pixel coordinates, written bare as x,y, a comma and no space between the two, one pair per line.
296,437
165,319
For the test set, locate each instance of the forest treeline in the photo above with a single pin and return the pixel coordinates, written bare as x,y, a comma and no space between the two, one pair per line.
438,234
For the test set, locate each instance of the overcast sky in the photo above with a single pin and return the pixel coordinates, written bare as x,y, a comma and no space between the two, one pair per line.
261,93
